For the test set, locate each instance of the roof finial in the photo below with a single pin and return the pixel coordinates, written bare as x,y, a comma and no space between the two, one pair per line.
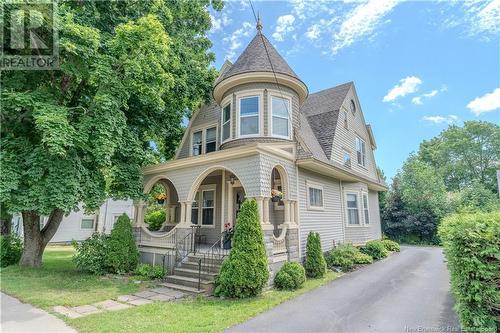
259,23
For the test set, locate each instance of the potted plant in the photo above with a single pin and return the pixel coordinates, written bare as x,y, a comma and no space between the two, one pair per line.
276,195
160,198
227,236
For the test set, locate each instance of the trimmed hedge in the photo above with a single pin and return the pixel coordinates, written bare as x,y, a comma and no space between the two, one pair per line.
391,245
315,263
245,272
122,256
375,249
472,246
291,276
11,250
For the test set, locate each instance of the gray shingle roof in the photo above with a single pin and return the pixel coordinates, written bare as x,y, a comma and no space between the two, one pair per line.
321,110
254,59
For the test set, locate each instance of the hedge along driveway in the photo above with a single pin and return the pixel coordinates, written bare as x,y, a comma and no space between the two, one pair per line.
58,282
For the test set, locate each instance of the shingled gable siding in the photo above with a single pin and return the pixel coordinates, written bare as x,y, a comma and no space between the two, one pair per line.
207,115
345,139
327,222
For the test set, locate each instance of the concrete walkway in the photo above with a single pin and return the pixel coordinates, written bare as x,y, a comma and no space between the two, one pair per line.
403,293
19,317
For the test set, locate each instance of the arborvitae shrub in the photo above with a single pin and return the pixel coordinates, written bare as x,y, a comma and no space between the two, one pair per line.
291,276
245,272
122,254
315,264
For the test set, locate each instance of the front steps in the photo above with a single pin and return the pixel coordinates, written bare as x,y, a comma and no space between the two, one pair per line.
186,277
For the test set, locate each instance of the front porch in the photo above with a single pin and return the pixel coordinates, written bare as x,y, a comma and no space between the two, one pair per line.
204,201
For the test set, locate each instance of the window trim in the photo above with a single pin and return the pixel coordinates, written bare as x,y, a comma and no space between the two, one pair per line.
367,209
360,224
250,93
318,186
271,115
203,130
230,121
352,106
88,218
363,154
201,189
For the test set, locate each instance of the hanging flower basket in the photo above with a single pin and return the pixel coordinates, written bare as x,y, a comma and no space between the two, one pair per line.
160,198
276,195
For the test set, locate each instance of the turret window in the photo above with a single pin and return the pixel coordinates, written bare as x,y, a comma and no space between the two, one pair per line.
280,116
249,116
226,122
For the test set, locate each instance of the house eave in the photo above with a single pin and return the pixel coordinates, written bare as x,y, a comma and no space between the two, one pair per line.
338,172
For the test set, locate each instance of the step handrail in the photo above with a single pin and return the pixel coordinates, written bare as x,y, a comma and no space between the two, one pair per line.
215,252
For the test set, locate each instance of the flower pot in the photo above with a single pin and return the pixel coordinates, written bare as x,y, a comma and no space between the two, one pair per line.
275,199
160,201
226,245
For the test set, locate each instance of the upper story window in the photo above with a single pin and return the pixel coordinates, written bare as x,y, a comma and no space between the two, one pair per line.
226,122
347,159
280,116
361,151
353,106
204,141
249,116
352,208
211,139
197,142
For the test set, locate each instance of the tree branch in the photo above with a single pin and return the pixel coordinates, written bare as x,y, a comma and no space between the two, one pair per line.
52,225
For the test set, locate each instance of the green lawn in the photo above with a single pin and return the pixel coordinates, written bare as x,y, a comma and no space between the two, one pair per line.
59,283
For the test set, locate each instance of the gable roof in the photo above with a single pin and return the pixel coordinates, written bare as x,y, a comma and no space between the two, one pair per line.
254,59
321,110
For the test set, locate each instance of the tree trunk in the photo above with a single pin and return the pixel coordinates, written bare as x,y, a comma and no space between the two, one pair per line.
35,240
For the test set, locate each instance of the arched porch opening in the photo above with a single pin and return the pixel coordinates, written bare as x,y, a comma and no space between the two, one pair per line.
279,198
213,204
161,208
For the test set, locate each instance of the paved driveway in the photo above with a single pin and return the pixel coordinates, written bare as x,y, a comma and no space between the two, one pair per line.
408,291
20,317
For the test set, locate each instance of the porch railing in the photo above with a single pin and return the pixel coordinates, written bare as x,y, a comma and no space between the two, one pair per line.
210,259
164,240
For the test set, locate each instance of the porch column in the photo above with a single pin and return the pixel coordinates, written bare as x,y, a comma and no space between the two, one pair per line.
266,211
292,212
139,213
260,206
183,214
188,206
230,200
287,210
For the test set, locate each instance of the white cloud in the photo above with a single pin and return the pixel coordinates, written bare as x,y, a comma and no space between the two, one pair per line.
234,40
477,18
486,103
218,23
418,100
406,86
361,22
441,119
284,25
313,32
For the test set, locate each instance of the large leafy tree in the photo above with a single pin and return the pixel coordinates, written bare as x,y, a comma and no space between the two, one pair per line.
465,155
129,72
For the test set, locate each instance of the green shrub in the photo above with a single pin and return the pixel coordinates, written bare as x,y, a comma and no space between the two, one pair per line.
391,245
315,264
11,249
149,271
245,272
91,254
472,246
122,256
291,276
155,218
362,258
342,256
375,249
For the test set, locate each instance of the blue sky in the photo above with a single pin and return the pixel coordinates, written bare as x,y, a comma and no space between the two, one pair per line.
418,66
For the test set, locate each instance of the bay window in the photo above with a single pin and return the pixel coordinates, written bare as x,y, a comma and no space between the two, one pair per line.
249,116
352,209
226,122
280,116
